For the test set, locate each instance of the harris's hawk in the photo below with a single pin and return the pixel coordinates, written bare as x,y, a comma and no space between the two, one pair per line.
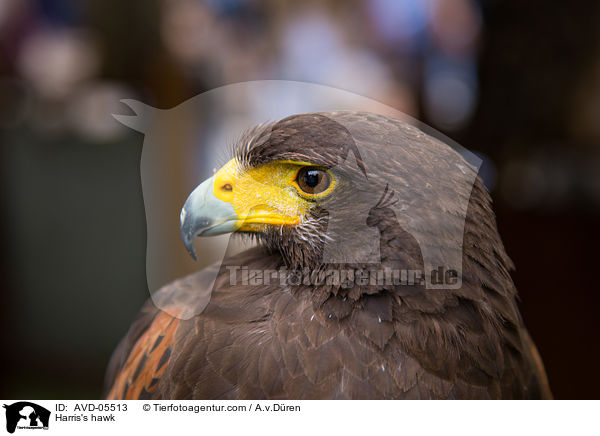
348,184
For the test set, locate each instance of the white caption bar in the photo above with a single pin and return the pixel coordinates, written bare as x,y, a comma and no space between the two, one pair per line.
299,417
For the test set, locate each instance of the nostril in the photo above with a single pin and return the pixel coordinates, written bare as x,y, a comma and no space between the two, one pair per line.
227,187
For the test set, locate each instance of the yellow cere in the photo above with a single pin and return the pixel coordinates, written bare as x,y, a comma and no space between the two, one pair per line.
267,194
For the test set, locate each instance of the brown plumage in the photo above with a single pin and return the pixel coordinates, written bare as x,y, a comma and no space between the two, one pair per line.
336,342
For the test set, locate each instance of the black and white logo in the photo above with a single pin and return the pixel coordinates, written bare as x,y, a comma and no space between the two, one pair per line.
26,415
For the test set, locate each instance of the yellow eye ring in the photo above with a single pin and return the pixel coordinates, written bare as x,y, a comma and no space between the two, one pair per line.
313,182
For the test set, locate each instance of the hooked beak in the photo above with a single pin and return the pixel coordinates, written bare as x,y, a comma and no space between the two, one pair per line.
241,200
203,214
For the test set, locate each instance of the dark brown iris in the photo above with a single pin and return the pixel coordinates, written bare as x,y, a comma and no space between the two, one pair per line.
313,180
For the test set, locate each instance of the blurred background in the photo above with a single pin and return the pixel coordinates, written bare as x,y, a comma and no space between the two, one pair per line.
518,83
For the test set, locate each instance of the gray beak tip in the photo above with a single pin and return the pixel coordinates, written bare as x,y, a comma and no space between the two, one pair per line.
188,235
192,253
204,215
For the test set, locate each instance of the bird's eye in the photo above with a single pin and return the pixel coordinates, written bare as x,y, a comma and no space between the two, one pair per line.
313,180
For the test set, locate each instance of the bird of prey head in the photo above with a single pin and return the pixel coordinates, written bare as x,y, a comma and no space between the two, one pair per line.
279,187
312,187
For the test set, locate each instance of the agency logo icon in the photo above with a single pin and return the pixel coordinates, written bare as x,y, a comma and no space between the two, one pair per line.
378,181
26,415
